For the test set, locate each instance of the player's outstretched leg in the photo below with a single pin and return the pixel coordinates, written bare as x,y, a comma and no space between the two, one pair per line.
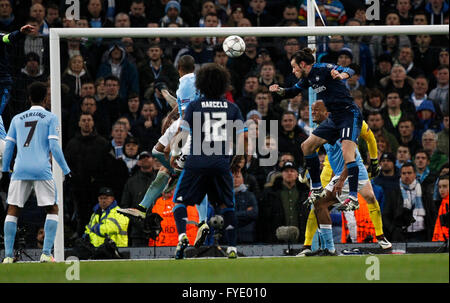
152,193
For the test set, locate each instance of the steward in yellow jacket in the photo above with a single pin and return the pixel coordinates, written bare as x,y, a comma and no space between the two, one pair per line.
106,221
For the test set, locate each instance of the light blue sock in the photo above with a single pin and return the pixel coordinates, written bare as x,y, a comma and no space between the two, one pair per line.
327,236
202,210
10,229
155,189
315,245
162,159
50,226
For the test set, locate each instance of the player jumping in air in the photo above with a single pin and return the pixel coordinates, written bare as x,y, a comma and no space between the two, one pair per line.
337,191
186,93
344,122
327,173
207,167
36,134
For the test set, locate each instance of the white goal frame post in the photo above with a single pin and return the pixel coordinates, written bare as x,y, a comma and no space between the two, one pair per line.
55,73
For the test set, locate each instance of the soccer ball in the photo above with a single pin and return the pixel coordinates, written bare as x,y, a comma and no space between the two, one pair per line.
216,222
233,46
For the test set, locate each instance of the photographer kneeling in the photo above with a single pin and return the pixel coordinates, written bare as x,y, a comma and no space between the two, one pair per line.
106,230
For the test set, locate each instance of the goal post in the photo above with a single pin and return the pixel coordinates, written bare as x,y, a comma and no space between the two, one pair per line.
55,72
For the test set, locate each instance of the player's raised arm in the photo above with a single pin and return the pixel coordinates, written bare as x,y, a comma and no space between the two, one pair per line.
10,142
342,73
169,98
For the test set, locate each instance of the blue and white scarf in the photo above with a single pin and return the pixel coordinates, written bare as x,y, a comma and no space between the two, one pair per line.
412,199
421,177
44,30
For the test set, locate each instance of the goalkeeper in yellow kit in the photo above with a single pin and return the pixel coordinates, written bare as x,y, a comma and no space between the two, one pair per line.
374,208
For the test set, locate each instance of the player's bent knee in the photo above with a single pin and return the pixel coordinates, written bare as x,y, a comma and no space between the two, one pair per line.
159,148
52,209
163,169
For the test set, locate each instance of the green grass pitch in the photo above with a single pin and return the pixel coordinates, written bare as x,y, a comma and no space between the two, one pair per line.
416,268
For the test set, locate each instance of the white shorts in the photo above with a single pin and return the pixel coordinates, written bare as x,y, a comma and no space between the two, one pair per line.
170,133
345,190
19,191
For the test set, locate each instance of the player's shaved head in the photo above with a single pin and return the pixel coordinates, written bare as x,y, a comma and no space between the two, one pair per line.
186,64
319,111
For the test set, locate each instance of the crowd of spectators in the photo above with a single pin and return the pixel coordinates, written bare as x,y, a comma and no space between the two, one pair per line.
113,109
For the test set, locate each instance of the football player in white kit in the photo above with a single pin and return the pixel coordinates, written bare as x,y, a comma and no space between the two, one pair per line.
186,93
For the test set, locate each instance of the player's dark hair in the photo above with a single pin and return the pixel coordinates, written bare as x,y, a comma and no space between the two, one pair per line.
394,91
406,118
112,78
212,80
31,20
305,55
52,6
375,92
289,112
186,63
85,114
373,113
405,146
422,76
262,90
211,14
421,12
443,177
442,66
409,164
268,63
422,151
87,97
132,95
218,49
37,92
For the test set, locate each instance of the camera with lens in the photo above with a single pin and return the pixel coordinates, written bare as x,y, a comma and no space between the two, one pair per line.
20,237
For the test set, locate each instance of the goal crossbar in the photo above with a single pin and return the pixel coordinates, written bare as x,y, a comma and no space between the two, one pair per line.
288,31
55,72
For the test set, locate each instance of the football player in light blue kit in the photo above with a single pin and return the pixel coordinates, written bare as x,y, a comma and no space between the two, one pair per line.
338,189
186,93
36,134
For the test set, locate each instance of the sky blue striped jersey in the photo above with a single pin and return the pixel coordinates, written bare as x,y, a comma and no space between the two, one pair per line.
337,162
32,132
186,91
